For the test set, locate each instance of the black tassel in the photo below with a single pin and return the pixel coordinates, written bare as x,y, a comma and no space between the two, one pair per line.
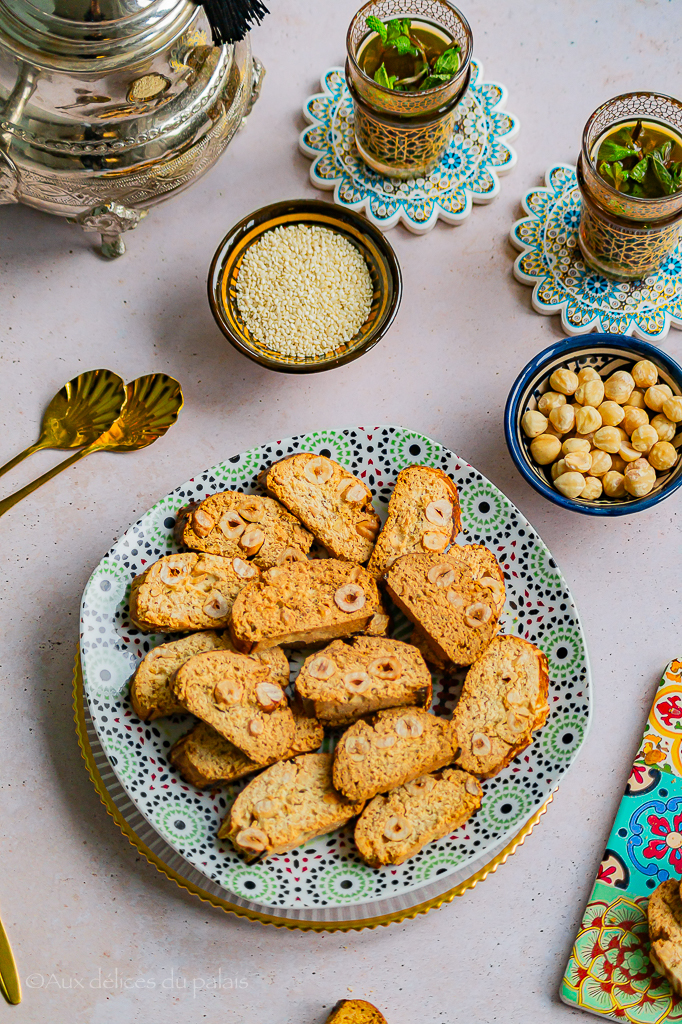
230,20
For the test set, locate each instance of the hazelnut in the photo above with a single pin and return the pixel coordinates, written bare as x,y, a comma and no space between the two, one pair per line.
611,413
587,419
231,524
243,569
217,607
433,541
350,598
357,682
672,408
442,575
644,373
601,463
593,488
575,444
558,468
533,423
202,523
269,696
227,691
640,478
636,399
663,427
409,726
383,742
656,395
388,667
253,840
590,393
564,381
619,387
587,373
251,510
251,541
367,528
321,667
663,456
480,744
550,400
580,462
628,453
355,494
571,484
614,484
439,513
545,448
644,438
397,828
563,418
608,439
633,418
477,614
318,470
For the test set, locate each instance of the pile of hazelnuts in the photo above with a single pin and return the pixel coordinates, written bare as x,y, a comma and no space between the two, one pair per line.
605,437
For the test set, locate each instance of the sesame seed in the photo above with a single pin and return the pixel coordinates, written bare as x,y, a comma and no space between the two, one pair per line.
303,290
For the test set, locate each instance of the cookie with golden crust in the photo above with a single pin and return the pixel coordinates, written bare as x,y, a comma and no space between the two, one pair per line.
423,515
330,501
205,758
346,681
188,591
247,526
355,1011
503,701
304,603
454,599
665,932
151,693
394,827
286,806
241,698
393,748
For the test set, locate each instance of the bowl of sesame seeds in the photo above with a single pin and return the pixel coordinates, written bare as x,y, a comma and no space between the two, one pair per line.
302,286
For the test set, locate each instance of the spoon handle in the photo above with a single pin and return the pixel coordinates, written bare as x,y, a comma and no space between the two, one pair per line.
19,458
7,503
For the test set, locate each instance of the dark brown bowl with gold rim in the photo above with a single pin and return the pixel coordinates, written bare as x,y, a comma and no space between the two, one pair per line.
381,260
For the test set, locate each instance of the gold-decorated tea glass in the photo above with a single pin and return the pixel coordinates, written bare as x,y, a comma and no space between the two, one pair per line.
625,237
404,134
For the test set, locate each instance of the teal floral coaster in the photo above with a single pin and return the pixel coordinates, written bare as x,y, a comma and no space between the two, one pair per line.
551,261
468,172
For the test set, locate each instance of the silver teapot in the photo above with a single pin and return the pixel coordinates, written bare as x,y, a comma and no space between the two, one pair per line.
108,107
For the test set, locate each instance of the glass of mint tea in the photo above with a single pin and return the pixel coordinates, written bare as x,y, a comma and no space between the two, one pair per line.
407,69
630,180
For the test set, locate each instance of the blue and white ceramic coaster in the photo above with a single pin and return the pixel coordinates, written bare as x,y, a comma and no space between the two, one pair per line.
551,261
468,172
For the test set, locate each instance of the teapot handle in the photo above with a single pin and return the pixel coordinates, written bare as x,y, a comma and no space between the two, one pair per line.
257,76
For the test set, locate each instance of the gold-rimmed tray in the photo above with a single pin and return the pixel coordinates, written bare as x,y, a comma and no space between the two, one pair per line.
165,859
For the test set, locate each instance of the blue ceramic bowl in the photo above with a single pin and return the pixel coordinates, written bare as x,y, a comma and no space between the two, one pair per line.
605,353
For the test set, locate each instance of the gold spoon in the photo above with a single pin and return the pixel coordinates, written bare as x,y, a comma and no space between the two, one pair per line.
152,406
78,414
10,986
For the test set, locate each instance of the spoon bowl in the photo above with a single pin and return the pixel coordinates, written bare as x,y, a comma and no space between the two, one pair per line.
78,414
152,405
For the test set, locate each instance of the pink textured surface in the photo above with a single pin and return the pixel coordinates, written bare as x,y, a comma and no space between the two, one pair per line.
78,902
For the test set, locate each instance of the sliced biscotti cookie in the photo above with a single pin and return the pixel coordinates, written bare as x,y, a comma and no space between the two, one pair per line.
355,1011
241,698
348,680
248,526
188,591
329,500
151,692
396,826
393,748
423,515
454,599
287,805
304,603
205,758
504,699
665,932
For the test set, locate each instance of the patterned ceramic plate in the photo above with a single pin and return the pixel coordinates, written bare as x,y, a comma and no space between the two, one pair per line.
327,875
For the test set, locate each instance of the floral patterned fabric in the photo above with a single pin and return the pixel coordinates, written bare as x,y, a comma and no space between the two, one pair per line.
609,971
